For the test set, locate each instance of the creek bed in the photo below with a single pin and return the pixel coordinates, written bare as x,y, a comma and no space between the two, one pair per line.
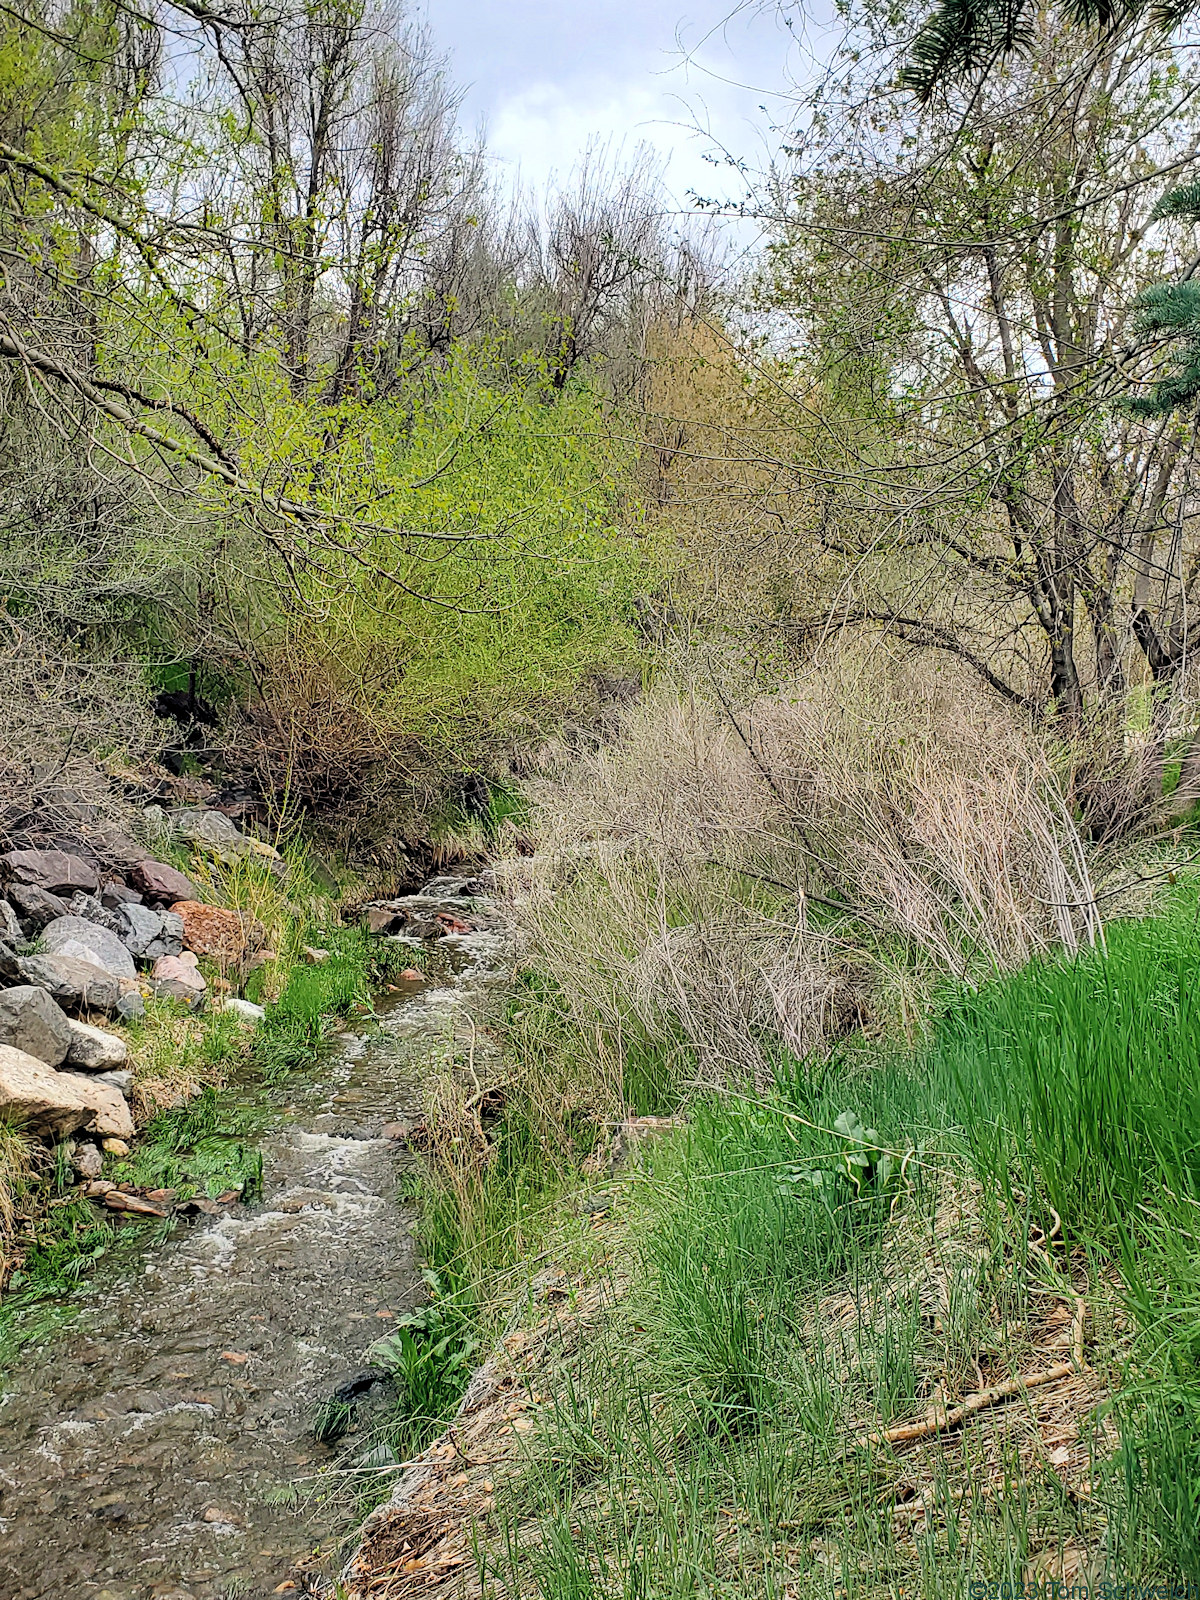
154,1447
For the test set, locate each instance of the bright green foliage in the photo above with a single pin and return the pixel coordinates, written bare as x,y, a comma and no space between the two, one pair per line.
506,566
68,1242
862,1171
754,1206
429,1359
294,1029
205,1147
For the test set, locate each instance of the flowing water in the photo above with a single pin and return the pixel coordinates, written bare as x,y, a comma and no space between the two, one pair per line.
152,1448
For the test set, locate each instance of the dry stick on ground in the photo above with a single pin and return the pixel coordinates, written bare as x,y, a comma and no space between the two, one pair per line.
942,1420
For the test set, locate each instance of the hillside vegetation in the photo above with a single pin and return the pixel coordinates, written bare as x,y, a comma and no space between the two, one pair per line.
805,637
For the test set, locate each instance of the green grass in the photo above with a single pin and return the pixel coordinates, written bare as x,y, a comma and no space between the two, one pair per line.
1079,1080
480,1230
295,1028
779,1253
204,1147
1078,1085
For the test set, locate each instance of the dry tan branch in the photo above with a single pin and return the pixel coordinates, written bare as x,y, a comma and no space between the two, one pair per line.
941,1420
1077,1333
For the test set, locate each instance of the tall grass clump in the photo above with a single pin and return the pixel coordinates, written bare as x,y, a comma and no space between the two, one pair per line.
1076,1078
487,1205
295,1027
761,1199
926,805
204,1147
1075,1082
17,1161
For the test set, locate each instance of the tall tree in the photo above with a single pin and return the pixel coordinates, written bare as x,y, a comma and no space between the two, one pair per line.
964,282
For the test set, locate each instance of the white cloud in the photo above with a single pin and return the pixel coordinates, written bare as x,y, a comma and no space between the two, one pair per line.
542,131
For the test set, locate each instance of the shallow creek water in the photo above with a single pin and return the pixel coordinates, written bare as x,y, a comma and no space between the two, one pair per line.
148,1450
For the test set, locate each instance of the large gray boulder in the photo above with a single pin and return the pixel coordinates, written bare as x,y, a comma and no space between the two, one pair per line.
212,828
88,941
76,985
92,1050
170,941
52,870
30,1021
55,1104
215,832
148,934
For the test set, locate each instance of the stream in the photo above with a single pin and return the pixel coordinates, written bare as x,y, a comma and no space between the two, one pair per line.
159,1445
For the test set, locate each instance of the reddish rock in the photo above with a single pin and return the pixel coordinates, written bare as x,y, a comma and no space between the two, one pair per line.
52,870
178,978
158,881
226,936
451,924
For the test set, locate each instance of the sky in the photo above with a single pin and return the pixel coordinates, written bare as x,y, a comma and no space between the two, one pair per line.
548,77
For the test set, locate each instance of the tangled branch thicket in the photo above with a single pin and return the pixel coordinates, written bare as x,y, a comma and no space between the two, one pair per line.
68,724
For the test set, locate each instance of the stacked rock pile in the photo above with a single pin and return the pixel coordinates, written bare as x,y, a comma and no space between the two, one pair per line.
89,934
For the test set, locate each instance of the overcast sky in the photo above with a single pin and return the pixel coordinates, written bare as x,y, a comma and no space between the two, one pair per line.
547,76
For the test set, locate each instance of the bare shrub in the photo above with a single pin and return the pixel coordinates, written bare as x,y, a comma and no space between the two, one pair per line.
926,804
648,906
672,894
